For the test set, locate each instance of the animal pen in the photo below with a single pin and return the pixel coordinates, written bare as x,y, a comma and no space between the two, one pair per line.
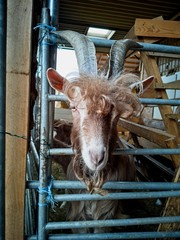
43,192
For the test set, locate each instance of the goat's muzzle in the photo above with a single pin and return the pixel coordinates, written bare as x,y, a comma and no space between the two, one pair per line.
97,157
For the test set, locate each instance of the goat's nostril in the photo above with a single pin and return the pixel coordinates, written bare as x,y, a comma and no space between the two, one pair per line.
97,157
100,160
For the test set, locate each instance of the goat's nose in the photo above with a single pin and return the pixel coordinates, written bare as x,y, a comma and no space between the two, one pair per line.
97,156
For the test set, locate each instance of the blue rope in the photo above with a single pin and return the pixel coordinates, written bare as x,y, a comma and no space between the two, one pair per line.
47,28
49,198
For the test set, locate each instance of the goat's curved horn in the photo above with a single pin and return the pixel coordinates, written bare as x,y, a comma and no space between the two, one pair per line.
117,56
84,48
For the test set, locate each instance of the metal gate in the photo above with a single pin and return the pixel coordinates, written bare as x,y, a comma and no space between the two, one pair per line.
37,210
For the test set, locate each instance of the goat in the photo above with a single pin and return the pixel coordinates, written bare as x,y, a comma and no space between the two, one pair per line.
97,102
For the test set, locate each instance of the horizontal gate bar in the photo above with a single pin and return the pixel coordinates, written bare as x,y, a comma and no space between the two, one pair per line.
57,184
115,196
106,43
104,236
153,151
111,222
145,46
154,101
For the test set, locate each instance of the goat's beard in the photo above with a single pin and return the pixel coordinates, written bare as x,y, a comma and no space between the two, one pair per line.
93,179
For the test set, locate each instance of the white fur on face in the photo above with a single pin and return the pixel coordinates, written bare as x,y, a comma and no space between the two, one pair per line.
93,149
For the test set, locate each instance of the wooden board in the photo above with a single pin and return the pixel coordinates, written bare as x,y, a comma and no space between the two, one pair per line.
154,135
157,28
171,127
132,35
19,27
152,69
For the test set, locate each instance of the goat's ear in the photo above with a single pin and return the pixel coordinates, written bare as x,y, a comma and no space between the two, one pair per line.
55,80
140,87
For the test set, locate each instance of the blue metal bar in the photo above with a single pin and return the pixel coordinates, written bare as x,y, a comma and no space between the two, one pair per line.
111,185
52,97
104,236
105,43
116,196
54,7
154,151
3,10
156,101
153,101
138,151
145,46
111,222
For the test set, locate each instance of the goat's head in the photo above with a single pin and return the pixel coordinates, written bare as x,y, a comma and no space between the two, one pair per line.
97,103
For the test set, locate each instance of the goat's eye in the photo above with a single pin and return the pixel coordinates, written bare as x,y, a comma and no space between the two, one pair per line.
73,109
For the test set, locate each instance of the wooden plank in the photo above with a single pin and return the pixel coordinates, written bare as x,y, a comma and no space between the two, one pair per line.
173,116
171,85
157,28
154,135
170,124
152,69
165,55
19,18
131,34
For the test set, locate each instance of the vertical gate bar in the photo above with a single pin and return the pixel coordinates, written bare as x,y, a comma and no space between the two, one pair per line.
44,136
3,14
52,63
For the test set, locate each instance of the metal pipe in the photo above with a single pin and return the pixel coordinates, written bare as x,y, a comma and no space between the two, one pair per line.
118,151
34,151
54,7
153,101
111,185
104,236
44,141
111,222
3,13
105,43
115,196
146,46
156,101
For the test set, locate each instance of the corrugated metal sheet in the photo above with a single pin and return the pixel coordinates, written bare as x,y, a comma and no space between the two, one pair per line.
117,15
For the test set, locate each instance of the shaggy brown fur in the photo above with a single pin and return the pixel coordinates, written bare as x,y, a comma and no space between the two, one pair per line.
105,102
119,168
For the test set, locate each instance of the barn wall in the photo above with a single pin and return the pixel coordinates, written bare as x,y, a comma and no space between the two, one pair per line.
19,17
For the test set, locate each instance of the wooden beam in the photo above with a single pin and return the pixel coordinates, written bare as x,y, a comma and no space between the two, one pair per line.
173,116
154,135
152,69
132,35
157,28
172,85
164,55
19,18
